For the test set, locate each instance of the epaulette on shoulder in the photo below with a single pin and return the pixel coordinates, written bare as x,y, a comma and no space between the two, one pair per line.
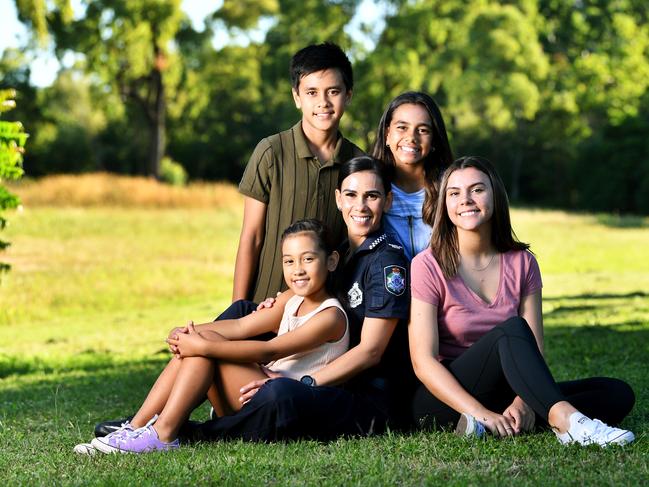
376,242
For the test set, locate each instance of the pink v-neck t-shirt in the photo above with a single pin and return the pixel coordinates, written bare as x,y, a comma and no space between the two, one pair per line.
463,316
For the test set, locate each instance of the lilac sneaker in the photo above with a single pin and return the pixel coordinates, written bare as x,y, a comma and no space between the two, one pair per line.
142,440
123,430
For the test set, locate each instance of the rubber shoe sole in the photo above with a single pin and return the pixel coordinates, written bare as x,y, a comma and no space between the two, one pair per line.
84,449
99,445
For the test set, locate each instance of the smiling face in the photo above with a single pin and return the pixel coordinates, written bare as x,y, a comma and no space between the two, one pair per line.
362,201
469,199
409,135
306,265
322,98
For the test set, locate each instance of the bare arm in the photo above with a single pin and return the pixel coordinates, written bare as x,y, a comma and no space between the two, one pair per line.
423,336
262,321
375,336
327,325
250,242
532,311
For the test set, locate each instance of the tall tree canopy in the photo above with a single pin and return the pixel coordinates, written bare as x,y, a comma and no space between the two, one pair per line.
554,92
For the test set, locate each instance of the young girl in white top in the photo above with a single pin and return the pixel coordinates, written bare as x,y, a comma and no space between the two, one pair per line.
411,138
311,327
476,327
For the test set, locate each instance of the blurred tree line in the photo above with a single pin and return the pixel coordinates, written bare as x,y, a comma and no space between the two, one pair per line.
553,91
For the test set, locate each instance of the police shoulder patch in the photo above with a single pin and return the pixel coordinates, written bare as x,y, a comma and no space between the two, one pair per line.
395,279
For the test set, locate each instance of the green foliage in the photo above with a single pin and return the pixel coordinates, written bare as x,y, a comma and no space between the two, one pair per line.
172,172
86,347
12,143
547,89
244,14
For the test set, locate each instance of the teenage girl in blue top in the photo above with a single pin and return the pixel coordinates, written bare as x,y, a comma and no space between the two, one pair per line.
411,138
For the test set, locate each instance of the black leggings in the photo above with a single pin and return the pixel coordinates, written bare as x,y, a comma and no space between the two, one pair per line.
506,363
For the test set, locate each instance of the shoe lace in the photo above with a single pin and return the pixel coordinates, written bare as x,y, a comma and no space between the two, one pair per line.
136,433
599,430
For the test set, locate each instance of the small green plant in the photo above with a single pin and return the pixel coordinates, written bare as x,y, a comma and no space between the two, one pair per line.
171,172
12,143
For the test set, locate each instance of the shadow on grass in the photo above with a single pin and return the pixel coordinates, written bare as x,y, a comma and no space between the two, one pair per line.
619,221
87,361
74,399
635,294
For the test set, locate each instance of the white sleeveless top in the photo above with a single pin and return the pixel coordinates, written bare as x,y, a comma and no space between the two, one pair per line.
309,361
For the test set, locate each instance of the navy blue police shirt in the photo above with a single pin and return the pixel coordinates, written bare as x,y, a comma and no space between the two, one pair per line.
374,282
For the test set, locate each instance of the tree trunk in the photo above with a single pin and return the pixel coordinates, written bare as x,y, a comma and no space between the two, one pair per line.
516,174
156,123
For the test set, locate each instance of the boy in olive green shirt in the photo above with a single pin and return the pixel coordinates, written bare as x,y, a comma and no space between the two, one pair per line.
293,174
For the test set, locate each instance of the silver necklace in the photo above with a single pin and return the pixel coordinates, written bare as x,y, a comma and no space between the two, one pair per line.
485,267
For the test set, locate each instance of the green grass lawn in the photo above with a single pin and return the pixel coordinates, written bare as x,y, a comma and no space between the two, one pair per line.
93,292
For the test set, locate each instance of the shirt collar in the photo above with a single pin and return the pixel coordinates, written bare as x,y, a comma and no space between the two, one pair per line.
304,151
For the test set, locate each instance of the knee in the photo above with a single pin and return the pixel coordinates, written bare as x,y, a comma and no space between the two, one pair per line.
516,326
625,397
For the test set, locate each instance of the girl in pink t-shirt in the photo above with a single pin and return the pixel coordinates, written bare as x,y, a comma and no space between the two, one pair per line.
476,326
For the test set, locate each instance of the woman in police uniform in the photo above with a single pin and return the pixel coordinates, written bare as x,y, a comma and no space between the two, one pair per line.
368,387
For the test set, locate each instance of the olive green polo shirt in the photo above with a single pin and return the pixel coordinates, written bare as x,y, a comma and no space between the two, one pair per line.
284,174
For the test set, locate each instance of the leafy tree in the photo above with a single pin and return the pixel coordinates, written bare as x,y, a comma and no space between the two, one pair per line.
12,143
129,46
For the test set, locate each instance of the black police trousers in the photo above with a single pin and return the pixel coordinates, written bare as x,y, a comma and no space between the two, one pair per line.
286,409
506,363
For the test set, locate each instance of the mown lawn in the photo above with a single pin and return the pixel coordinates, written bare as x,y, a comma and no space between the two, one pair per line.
93,293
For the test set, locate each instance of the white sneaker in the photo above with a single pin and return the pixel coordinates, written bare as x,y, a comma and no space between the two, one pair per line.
467,425
586,431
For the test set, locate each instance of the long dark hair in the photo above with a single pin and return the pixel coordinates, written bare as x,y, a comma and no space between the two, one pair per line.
443,241
440,156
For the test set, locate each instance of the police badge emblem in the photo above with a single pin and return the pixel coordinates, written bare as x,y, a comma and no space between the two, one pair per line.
395,279
355,295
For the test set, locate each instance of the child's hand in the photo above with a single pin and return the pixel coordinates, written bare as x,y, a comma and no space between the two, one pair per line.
189,344
175,333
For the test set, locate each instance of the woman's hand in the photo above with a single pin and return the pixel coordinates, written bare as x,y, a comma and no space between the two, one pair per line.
189,343
251,388
266,303
175,333
521,415
498,424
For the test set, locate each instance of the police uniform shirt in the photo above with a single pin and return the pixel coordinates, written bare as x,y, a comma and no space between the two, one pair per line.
374,283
